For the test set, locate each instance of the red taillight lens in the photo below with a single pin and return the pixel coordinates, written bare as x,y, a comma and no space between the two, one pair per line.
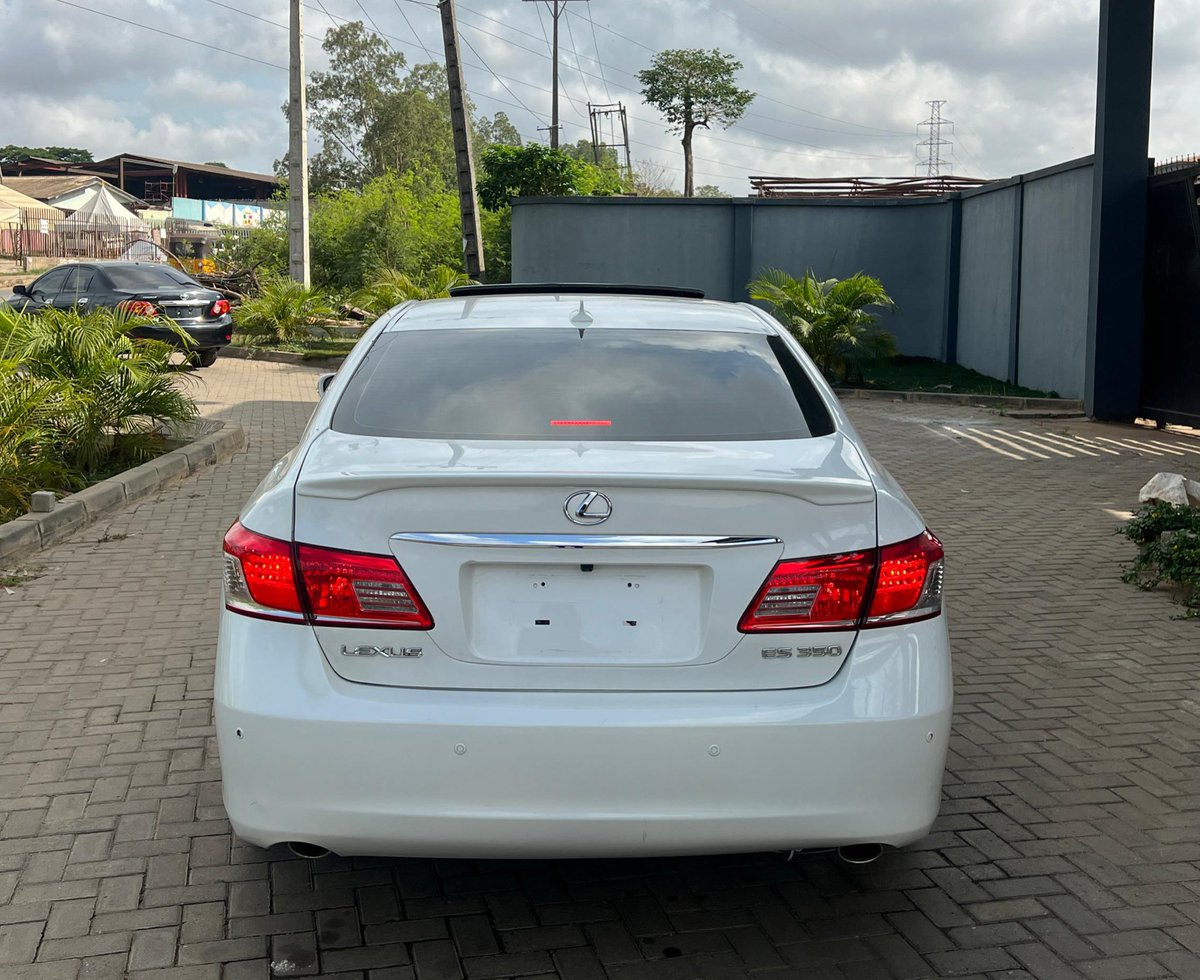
260,579
219,308
815,593
138,307
342,587
362,590
840,592
909,584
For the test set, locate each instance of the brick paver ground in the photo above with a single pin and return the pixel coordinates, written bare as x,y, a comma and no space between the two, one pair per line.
1069,842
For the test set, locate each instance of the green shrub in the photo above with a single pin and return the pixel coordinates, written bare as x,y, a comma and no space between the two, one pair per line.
1168,539
80,398
283,312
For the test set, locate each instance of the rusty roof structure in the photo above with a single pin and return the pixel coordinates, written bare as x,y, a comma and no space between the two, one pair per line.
838,187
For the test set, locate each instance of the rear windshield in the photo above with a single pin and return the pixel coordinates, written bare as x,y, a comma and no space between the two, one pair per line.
147,277
552,383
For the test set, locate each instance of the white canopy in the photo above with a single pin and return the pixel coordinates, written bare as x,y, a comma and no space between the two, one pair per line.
13,202
105,213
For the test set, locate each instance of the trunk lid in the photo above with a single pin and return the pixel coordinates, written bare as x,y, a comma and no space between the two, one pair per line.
524,598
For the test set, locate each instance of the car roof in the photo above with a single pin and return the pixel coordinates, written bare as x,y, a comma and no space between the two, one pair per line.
580,310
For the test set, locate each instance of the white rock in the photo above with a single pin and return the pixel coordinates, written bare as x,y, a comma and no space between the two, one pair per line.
1171,488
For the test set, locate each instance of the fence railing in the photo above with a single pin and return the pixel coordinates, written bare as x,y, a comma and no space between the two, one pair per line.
36,237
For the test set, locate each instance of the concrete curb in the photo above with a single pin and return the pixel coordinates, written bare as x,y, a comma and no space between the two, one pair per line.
281,357
1073,405
35,532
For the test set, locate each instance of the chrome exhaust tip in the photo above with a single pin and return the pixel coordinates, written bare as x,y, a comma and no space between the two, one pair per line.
310,852
860,853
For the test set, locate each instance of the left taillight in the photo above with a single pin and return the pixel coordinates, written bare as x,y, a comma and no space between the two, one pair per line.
274,579
352,589
260,576
219,308
139,307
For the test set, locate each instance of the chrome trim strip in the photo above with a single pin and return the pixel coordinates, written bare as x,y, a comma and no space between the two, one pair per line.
583,540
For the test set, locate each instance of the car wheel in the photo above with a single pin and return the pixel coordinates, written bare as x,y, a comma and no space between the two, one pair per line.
206,358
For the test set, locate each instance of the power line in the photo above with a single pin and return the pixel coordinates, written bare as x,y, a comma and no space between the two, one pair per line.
177,37
596,45
428,53
499,79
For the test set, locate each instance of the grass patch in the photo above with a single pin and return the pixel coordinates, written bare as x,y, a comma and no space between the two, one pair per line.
314,349
19,576
925,374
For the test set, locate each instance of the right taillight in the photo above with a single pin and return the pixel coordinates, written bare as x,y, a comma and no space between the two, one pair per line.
909,583
897,583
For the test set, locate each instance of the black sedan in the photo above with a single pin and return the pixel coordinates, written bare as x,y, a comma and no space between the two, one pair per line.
144,288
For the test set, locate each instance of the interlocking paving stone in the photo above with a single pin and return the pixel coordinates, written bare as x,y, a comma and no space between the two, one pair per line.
1067,847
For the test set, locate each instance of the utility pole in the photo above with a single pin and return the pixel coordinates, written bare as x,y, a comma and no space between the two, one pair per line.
556,9
933,143
601,114
468,206
298,263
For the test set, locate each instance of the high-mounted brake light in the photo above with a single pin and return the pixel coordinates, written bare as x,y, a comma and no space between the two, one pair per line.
260,579
219,308
348,588
273,579
897,583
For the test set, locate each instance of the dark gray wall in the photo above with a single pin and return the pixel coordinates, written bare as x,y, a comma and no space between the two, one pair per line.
580,239
1055,264
904,244
985,290
1007,297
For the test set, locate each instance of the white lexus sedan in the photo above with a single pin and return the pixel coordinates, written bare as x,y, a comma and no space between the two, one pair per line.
581,570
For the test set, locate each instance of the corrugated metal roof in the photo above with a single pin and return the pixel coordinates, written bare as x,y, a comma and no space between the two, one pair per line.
184,165
46,188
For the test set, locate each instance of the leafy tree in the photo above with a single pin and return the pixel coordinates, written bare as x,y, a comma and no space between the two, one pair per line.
71,154
216,163
408,222
539,171
525,171
694,88
829,316
710,190
497,131
345,101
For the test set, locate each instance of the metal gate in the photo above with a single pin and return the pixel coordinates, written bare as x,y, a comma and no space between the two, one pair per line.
1171,351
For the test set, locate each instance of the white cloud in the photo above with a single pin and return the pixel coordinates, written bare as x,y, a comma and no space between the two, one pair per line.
1018,76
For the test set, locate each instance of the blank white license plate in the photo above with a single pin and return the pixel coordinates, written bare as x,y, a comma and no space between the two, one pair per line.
633,615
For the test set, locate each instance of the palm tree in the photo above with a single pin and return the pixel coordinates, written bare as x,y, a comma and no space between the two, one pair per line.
284,311
391,287
829,316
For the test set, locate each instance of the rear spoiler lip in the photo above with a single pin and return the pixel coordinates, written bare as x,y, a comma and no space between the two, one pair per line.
355,484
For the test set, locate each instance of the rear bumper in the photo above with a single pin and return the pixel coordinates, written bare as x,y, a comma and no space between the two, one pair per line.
205,336
360,769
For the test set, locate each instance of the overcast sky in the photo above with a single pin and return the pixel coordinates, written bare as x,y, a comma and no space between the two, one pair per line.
841,84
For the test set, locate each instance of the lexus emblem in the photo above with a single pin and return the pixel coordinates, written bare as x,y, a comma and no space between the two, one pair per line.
587,507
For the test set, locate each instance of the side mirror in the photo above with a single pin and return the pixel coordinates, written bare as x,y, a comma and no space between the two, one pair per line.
20,289
324,381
